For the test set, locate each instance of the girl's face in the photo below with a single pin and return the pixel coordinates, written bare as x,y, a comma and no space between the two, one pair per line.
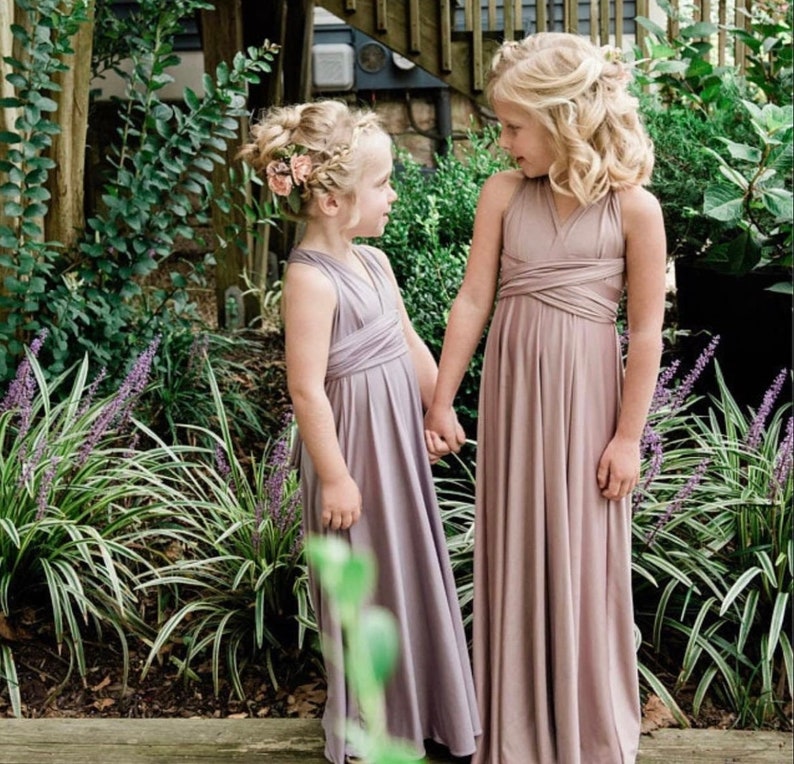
374,195
527,141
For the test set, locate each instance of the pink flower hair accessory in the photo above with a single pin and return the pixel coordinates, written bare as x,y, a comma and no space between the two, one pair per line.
287,174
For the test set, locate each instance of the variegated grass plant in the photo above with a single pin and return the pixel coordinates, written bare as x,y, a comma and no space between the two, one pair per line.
238,590
713,555
76,496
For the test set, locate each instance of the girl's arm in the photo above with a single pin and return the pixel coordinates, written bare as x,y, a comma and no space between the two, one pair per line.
309,303
471,309
646,260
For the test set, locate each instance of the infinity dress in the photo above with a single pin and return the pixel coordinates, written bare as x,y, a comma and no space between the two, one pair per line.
374,393
554,656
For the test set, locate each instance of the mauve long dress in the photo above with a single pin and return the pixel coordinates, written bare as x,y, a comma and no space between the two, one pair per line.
374,393
554,656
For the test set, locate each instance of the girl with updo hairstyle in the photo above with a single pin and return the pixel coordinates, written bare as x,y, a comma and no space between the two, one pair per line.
359,378
556,242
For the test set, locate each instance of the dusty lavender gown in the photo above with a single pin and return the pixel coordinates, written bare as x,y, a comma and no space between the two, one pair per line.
374,393
554,658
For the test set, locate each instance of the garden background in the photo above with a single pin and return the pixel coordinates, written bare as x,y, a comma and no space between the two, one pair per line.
151,559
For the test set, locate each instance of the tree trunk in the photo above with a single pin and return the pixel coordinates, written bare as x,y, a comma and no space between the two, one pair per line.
222,38
291,25
232,26
66,217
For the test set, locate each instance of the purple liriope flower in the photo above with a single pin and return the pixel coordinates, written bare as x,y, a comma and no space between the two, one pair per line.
784,459
29,466
117,411
22,389
662,394
91,392
685,388
274,486
623,339
651,444
297,543
256,538
756,429
44,488
679,499
132,447
221,463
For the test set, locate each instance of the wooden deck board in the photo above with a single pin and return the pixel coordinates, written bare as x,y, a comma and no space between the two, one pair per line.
298,741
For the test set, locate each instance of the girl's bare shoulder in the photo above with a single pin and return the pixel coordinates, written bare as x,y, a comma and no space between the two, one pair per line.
307,282
498,190
638,202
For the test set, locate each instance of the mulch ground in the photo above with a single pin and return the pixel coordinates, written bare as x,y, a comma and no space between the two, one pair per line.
51,687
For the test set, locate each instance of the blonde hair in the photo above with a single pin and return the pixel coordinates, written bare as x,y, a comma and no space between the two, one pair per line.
327,132
578,92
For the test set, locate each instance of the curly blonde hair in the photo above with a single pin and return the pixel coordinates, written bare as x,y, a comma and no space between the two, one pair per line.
327,132
579,94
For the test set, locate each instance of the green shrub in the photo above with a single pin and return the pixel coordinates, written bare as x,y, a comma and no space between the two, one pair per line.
159,186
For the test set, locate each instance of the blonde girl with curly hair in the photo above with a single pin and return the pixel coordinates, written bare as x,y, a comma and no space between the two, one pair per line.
359,377
555,242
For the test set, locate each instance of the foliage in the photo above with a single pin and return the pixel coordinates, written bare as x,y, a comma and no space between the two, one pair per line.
94,300
75,495
752,198
28,262
371,643
713,549
182,395
683,164
427,240
238,586
745,223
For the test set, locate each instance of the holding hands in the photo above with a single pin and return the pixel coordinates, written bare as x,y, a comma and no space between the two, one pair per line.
443,432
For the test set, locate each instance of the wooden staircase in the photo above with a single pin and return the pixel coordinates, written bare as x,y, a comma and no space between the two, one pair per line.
454,40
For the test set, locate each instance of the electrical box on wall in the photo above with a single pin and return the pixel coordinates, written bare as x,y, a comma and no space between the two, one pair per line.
378,68
333,66
345,59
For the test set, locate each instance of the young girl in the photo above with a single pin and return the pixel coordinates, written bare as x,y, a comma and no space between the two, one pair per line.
358,376
559,427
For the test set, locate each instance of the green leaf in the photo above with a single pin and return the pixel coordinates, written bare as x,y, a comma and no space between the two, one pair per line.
779,202
191,99
738,587
721,202
699,29
743,151
8,137
378,634
739,255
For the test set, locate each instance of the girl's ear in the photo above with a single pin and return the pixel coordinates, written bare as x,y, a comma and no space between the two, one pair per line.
327,204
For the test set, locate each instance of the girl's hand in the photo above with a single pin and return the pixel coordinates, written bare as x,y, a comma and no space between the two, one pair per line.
341,502
443,432
619,468
436,448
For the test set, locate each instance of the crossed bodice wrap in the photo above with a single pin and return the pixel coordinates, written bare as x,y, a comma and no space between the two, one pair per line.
563,284
374,344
